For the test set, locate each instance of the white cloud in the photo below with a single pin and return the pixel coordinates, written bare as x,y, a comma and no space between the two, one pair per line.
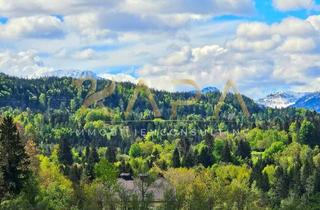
88,25
287,5
98,17
315,21
32,27
178,58
170,39
20,8
296,45
290,35
293,27
23,64
254,30
259,56
84,54
212,7
243,44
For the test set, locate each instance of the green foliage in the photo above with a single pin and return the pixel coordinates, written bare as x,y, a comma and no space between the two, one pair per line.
14,163
106,172
135,150
176,158
56,190
260,139
64,153
270,160
307,133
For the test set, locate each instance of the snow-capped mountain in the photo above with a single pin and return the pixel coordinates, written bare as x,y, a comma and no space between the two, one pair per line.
209,90
309,101
206,90
281,99
70,73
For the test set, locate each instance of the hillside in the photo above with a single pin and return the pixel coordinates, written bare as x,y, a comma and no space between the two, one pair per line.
102,146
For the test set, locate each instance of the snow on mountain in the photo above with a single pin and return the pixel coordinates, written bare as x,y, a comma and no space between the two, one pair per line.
69,73
206,90
281,99
209,90
309,101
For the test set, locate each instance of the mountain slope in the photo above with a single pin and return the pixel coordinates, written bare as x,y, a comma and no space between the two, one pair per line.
210,90
281,99
309,101
77,74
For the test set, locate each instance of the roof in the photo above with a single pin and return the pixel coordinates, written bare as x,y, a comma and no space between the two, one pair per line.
157,188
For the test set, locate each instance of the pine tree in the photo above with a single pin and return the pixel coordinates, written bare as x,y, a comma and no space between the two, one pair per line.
14,163
281,185
111,154
188,160
205,157
306,173
64,153
176,158
260,178
295,178
226,153
316,175
243,149
93,158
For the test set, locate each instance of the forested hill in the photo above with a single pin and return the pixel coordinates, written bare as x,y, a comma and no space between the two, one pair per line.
56,93
73,155
58,100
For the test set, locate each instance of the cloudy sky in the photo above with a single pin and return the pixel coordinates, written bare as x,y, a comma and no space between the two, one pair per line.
263,45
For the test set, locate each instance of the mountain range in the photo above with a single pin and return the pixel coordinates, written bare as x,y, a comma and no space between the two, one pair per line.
70,73
307,100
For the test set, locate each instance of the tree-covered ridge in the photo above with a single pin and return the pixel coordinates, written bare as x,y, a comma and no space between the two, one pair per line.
67,156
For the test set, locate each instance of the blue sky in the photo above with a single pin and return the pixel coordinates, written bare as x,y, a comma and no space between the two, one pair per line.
263,45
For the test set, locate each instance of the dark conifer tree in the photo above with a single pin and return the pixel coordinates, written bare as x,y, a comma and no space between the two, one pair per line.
281,185
205,157
188,161
176,158
111,154
243,149
64,153
260,178
226,153
92,160
14,162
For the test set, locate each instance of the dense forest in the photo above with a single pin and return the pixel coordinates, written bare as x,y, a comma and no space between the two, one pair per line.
57,153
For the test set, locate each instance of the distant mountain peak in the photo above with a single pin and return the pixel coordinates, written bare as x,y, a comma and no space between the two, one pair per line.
281,99
309,101
77,74
209,89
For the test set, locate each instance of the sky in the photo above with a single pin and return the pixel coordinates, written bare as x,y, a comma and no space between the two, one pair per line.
264,46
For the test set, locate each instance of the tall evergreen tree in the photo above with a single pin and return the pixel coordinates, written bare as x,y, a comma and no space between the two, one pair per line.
111,154
281,185
260,178
226,153
93,158
14,163
188,160
64,153
243,149
176,158
205,157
